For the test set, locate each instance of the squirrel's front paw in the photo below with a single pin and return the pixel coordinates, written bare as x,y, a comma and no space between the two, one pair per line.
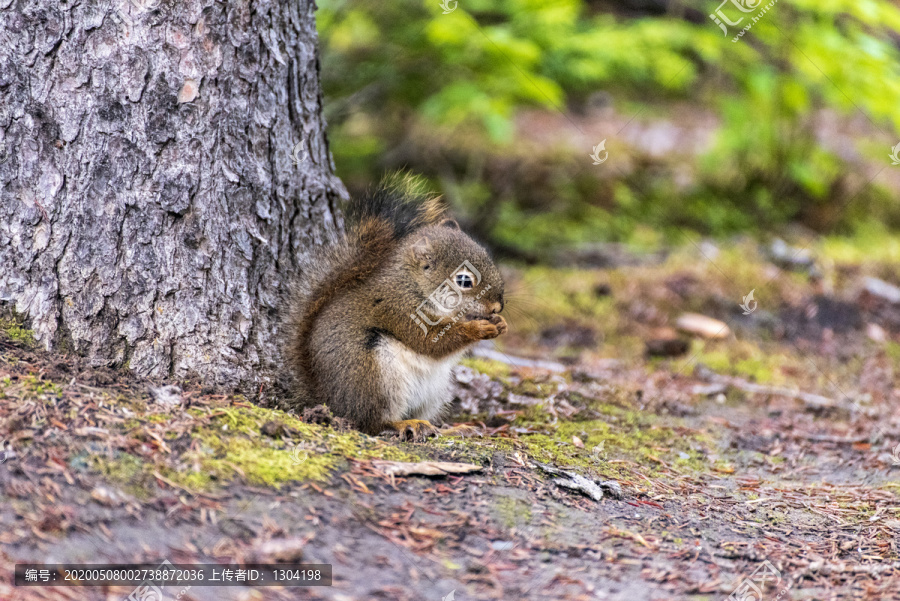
498,321
485,329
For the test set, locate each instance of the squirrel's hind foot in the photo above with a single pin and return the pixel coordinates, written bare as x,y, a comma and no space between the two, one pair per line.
415,430
461,430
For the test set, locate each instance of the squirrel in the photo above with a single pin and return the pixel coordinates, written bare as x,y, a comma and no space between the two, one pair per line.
379,316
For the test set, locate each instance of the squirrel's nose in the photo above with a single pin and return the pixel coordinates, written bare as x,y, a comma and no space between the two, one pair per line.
496,307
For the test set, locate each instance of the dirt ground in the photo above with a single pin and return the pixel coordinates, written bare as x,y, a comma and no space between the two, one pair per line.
761,465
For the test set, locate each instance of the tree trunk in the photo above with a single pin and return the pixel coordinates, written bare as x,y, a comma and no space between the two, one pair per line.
153,204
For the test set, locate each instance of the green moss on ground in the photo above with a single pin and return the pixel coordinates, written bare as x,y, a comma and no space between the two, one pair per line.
133,474
622,307
30,387
743,358
512,512
14,328
227,443
493,369
620,437
894,487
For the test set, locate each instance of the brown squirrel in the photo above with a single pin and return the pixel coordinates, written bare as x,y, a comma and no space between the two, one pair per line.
379,317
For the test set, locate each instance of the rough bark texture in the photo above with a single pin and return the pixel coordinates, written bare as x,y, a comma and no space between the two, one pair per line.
151,209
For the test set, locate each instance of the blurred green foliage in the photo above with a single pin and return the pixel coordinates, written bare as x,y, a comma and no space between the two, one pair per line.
409,86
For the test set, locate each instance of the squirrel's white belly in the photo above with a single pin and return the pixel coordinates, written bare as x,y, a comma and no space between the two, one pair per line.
417,385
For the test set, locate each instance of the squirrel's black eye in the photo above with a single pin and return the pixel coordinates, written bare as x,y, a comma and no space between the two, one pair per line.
426,267
464,281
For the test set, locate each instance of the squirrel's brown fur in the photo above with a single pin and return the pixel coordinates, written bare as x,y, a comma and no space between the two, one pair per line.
354,341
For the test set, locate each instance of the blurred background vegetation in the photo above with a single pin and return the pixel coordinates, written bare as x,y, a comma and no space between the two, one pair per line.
500,102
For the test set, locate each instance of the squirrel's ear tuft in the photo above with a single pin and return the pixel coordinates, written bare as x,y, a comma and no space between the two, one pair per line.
422,250
451,223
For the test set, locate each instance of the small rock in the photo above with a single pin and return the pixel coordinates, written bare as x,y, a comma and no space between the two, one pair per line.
883,290
789,256
168,396
577,442
875,332
709,250
703,326
108,496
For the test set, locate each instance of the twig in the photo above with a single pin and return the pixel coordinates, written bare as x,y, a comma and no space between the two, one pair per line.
813,401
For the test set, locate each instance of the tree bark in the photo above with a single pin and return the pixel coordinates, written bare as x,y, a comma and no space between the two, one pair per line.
151,210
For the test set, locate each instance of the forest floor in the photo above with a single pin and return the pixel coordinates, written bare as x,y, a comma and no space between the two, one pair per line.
759,462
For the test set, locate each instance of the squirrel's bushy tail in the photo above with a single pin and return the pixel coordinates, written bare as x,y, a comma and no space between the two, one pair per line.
400,203
375,224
